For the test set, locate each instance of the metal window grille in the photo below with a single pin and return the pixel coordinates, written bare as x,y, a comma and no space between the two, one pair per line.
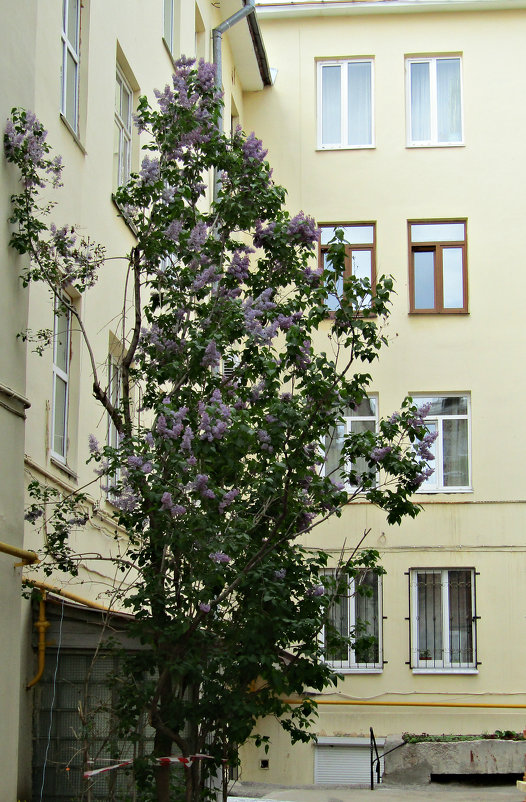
443,619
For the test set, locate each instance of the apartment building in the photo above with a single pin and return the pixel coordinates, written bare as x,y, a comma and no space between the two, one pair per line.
402,123
81,66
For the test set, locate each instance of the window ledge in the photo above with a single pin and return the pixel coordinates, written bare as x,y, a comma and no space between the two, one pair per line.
442,312
170,54
123,216
324,148
445,491
62,466
73,134
356,670
412,145
455,671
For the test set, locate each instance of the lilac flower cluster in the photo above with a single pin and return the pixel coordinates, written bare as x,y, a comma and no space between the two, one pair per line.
206,75
265,441
93,444
227,499
207,276
303,229
253,148
174,230
25,137
281,573
378,454
420,478
150,171
204,607
157,338
168,504
212,357
200,485
176,419
220,558
198,236
214,419
317,590
239,266
126,501
33,514
423,446
264,235
303,359
421,414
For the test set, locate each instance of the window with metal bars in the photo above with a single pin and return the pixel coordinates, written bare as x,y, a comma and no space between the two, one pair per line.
443,619
356,614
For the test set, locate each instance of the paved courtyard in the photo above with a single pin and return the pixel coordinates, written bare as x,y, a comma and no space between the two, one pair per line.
450,792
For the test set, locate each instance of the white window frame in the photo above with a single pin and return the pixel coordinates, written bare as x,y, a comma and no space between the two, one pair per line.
433,102
435,483
347,427
342,63
168,24
125,130
351,665
69,47
446,665
63,375
114,394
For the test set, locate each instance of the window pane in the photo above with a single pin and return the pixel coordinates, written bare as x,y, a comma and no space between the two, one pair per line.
455,453
125,160
333,300
429,617
448,100
118,89
168,23
367,409
359,426
420,102
333,450
437,232
362,264
460,617
366,610
59,417
70,111
126,107
62,339
354,235
445,405
331,105
339,619
424,279
72,32
116,155
359,103
452,278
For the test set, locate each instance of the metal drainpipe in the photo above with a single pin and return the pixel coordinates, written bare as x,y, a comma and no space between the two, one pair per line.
41,626
217,39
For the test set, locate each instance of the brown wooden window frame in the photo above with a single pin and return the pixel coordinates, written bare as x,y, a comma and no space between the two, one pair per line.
350,249
437,248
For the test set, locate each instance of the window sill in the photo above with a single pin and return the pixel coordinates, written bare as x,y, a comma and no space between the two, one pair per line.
62,466
74,135
413,145
445,491
420,312
356,670
170,54
324,148
123,216
455,671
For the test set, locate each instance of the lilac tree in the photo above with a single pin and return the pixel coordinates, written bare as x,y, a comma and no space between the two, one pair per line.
217,488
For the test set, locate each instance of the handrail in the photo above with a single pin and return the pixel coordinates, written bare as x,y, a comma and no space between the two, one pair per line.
374,760
27,557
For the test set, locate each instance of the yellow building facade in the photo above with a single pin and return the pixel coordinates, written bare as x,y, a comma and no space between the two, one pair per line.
81,67
399,122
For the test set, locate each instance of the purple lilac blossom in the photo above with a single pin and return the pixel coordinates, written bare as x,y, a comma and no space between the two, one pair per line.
200,485
317,590
135,461
212,357
150,171
227,499
220,557
304,229
253,148
174,230
93,444
281,573
205,608
378,454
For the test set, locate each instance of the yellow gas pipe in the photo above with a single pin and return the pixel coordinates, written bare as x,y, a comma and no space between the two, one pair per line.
41,626
382,703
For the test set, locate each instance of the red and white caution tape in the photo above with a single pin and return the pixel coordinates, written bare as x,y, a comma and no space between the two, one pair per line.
162,761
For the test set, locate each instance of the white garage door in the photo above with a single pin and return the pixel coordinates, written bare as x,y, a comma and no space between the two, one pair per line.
343,765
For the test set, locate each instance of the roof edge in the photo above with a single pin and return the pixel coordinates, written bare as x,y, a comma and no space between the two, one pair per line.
307,8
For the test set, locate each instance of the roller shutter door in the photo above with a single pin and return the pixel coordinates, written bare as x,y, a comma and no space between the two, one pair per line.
343,765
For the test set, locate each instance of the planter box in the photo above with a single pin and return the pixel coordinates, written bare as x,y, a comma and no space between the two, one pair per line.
415,763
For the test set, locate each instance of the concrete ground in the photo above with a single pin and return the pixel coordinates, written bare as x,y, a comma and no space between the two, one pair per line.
448,792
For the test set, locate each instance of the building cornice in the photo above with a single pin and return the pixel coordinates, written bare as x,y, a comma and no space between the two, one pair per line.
323,8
